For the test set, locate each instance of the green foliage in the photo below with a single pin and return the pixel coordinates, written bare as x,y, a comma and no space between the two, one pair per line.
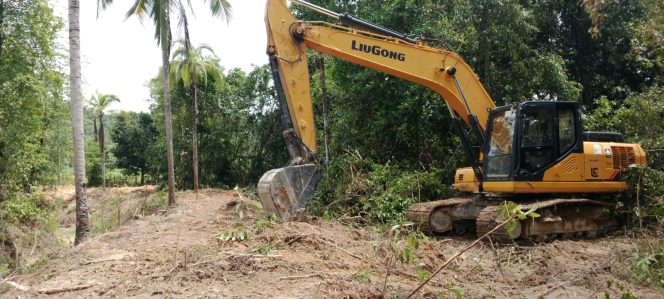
363,274
647,262
30,208
648,185
263,249
92,163
239,234
155,202
134,135
33,114
422,274
513,213
381,193
405,248
640,119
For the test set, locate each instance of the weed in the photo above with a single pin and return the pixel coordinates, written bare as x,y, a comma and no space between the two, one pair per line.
4,269
239,234
456,290
264,223
362,274
154,202
647,263
263,249
239,209
422,274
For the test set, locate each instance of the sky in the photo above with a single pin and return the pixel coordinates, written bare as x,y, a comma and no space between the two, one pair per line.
119,56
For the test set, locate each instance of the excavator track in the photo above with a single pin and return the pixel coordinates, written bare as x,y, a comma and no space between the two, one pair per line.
454,214
560,218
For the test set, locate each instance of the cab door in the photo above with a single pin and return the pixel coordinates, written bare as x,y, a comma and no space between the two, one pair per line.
548,132
536,145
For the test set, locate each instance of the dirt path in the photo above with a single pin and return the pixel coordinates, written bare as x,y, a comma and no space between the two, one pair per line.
178,254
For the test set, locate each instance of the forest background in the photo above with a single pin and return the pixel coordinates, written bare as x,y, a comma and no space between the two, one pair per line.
386,142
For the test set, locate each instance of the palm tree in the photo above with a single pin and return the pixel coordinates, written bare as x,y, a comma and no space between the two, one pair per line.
160,13
82,221
99,103
192,66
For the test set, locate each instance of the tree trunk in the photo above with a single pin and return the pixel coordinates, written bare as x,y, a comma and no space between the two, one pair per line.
323,94
168,122
102,139
2,25
142,177
194,137
94,126
82,221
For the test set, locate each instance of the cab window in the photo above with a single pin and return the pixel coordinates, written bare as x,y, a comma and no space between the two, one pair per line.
566,133
500,145
537,139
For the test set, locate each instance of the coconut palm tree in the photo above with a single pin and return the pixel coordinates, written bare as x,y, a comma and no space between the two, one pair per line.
159,11
99,103
82,221
192,66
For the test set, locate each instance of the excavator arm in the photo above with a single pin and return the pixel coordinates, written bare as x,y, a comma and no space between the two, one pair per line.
286,190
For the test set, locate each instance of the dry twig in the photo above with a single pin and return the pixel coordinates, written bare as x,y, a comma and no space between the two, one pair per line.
340,249
457,255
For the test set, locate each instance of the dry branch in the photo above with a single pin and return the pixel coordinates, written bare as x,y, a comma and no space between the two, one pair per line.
340,249
302,276
457,255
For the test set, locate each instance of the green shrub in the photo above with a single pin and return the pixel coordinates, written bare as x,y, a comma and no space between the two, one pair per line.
379,192
26,208
647,263
644,200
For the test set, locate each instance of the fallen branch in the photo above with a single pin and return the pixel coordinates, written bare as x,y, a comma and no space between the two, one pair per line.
18,286
302,276
457,255
340,249
64,290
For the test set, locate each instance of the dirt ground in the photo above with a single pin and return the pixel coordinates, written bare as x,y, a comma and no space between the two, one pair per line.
183,252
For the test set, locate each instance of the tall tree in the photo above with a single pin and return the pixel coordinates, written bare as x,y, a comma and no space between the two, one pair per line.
82,223
160,13
99,103
192,66
134,135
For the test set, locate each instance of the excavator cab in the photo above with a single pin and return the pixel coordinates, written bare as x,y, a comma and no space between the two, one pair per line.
527,139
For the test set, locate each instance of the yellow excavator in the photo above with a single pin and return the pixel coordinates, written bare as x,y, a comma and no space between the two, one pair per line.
533,153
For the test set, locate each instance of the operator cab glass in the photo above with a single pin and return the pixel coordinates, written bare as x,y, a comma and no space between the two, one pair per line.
526,140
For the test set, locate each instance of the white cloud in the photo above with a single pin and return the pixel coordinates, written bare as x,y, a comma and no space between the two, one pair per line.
119,56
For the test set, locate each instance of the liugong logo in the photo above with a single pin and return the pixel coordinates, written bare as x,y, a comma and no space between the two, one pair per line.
378,51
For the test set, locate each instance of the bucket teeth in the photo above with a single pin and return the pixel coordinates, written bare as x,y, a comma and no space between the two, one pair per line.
286,191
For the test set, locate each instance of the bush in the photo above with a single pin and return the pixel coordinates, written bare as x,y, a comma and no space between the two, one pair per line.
379,192
26,208
644,200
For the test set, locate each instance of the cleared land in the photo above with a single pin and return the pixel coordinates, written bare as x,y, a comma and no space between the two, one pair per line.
188,252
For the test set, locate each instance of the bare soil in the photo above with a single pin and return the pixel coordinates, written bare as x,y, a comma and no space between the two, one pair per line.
178,253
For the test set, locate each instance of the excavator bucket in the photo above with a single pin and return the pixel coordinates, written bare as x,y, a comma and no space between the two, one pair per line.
286,191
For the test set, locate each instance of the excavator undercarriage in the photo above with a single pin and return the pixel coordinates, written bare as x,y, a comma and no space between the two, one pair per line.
559,218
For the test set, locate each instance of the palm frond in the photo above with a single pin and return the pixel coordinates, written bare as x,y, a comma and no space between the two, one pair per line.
102,5
221,9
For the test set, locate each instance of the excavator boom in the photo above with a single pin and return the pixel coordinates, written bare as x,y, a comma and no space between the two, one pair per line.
371,46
